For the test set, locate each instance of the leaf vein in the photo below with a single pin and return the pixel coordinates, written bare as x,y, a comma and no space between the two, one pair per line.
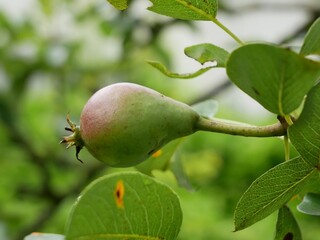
284,192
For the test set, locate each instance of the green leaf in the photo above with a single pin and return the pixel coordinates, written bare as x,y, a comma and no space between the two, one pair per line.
305,132
160,160
207,108
44,236
180,174
310,204
125,206
311,44
119,4
186,9
287,226
271,191
166,72
167,158
275,77
207,52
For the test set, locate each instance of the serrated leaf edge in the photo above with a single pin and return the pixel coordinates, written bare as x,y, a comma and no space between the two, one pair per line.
312,171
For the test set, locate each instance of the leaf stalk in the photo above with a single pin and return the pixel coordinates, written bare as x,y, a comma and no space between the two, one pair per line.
227,30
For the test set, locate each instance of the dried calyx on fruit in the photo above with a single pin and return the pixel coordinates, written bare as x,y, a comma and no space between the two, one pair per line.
74,139
123,124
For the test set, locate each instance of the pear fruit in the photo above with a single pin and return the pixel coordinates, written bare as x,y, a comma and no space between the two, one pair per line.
123,124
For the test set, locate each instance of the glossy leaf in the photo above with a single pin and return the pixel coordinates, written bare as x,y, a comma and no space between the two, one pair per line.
305,132
207,52
287,226
125,206
44,236
275,77
311,44
119,4
271,191
166,72
310,204
186,9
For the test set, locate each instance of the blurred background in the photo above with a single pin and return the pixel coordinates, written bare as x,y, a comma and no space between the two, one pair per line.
55,54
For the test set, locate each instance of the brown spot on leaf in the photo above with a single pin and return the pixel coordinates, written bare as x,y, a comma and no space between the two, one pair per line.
288,236
119,193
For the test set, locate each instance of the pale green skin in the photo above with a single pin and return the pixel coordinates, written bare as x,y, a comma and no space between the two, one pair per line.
124,123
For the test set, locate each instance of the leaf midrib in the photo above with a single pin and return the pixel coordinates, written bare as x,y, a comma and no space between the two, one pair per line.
281,89
195,9
282,194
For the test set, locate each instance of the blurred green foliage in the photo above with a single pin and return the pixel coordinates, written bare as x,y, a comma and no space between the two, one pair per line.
51,60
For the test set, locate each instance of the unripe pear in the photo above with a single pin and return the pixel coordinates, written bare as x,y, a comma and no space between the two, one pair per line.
123,124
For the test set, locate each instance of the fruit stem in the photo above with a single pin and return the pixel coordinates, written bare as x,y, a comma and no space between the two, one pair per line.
241,129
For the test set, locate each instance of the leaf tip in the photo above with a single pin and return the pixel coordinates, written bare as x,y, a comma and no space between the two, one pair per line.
120,5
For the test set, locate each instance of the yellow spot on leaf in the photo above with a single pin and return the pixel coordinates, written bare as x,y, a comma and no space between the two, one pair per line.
157,153
119,193
36,234
295,197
